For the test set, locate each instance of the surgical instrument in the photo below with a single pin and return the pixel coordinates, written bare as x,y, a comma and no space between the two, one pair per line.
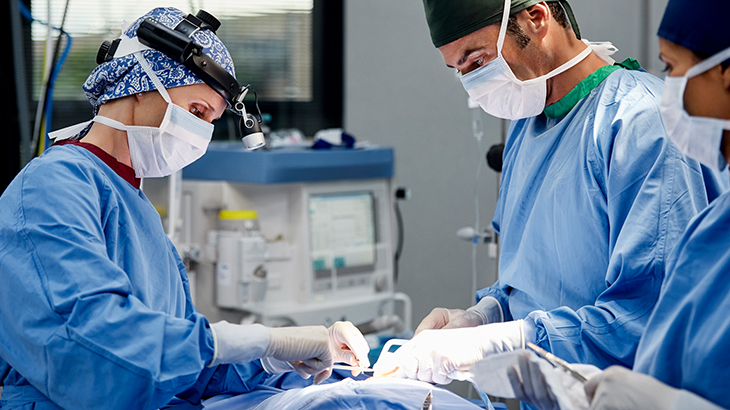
558,362
357,368
427,405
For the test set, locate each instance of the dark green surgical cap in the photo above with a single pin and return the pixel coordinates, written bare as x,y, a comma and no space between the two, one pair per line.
451,20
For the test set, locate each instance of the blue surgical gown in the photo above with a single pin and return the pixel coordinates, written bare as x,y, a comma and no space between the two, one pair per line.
589,206
688,335
95,308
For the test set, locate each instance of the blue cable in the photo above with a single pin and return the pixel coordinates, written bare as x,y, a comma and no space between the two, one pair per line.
52,83
56,69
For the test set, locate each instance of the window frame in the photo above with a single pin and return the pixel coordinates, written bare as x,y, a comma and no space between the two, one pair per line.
324,110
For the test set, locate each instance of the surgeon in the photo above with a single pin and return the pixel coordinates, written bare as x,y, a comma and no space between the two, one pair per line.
95,307
685,346
682,360
592,199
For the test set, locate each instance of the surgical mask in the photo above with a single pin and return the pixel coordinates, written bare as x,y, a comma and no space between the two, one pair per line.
697,137
160,151
498,91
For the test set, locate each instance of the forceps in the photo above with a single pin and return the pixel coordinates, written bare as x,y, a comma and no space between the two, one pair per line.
348,367
558,362
427,403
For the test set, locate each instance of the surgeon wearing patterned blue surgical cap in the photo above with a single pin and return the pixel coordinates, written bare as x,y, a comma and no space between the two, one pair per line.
95,306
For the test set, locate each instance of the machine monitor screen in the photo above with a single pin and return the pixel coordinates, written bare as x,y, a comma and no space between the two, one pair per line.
342,232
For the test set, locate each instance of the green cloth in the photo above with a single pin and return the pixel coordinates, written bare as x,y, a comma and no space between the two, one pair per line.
588,84
450,20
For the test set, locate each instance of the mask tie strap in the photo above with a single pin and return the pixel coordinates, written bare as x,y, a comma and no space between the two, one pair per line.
503,27
151,74
603,49
564,67
110,122
709,63
570,63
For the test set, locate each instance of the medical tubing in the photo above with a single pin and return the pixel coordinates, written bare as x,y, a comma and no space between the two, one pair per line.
54,71
52,80
477,221
45,103
399,245
21,86
62,59
48,100
37,127
256,102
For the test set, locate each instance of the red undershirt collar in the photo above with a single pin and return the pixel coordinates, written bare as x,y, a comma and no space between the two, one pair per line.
122,170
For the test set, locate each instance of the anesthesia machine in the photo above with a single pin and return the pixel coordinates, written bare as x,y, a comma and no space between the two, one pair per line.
287,237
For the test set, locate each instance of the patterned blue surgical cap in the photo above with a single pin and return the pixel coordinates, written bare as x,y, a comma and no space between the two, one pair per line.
124,76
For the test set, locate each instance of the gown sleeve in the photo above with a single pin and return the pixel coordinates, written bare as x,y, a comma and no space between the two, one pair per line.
651,194
77,333
225,379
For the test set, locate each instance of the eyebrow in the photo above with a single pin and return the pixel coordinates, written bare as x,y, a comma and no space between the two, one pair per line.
212,109
465,56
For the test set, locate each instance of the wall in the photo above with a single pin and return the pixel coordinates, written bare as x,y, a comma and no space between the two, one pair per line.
398,92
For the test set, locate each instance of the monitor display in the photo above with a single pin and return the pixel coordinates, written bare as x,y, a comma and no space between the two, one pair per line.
342,232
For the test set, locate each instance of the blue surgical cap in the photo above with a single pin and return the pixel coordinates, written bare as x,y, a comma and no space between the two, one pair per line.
124,76
698,25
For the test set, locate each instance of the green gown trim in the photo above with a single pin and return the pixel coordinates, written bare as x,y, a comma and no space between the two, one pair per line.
588,84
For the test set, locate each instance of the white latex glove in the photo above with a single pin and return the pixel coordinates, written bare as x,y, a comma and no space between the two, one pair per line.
523,375
348,345
486,311
440,356
442,318
238,343
312,350
618,388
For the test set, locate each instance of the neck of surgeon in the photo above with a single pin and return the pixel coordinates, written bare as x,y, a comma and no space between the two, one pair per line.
112,141
550,45
555,56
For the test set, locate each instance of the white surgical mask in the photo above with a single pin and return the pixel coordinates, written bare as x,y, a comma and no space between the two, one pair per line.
160,151
501,94
697,137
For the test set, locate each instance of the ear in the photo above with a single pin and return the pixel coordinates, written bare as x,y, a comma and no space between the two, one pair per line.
726,79
536,19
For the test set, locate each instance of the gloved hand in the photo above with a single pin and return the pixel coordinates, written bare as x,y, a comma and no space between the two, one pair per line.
486,311
348,345
306,348
520,371
618,388
439,356
442,318
523,375
312,350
